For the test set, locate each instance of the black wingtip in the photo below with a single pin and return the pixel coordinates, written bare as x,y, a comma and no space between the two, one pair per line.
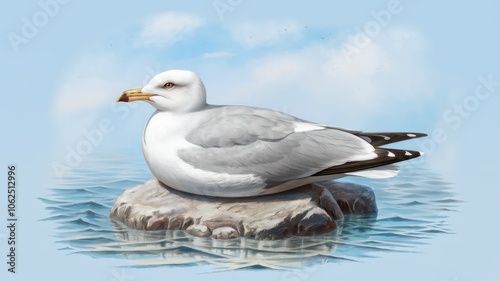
377,139
416,135
399,154
384,157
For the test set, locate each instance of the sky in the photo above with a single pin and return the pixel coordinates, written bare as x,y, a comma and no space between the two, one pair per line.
371,65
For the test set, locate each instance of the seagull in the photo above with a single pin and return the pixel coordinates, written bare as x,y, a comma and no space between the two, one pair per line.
241,151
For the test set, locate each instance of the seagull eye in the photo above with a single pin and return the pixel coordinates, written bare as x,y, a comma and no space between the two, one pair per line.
169,85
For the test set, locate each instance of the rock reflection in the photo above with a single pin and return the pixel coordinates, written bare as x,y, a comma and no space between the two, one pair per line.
177,247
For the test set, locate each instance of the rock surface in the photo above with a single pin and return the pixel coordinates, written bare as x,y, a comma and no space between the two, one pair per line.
308,210
353,198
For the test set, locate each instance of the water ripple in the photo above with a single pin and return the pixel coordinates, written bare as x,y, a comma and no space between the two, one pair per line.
413,208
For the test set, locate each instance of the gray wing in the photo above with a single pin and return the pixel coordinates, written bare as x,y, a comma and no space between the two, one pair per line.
376,139
226,126
265,143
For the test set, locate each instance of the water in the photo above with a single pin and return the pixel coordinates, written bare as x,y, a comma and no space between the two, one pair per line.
413,208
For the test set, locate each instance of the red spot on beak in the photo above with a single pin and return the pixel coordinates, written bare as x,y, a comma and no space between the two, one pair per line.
123,98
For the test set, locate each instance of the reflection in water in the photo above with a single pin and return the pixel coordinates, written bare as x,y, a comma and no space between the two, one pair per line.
155,248
413,207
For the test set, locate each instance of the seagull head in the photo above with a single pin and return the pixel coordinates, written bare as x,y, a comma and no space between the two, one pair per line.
172,90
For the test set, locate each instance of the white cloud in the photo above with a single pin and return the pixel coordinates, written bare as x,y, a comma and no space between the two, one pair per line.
83,94
256,34
217,55
87,93
319,79
168,28
86,88
90,84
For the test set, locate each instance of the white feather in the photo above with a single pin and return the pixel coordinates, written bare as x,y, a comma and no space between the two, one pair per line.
383,172
305,127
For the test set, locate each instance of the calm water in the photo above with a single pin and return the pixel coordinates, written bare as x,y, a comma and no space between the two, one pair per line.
413,208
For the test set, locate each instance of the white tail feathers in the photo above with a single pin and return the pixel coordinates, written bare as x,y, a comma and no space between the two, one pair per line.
382,172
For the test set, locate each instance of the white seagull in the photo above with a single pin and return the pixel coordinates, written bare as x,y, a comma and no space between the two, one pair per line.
240,151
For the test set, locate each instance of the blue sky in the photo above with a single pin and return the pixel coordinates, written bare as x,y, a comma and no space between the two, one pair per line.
375,66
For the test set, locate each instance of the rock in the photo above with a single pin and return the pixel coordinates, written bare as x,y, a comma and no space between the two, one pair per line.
308,210
225,232
198,230
353,198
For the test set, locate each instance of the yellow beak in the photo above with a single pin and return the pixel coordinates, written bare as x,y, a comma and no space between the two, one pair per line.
134,95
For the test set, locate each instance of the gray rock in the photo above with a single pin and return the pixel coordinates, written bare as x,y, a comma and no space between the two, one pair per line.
198,230
353,198
308,210
225,232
